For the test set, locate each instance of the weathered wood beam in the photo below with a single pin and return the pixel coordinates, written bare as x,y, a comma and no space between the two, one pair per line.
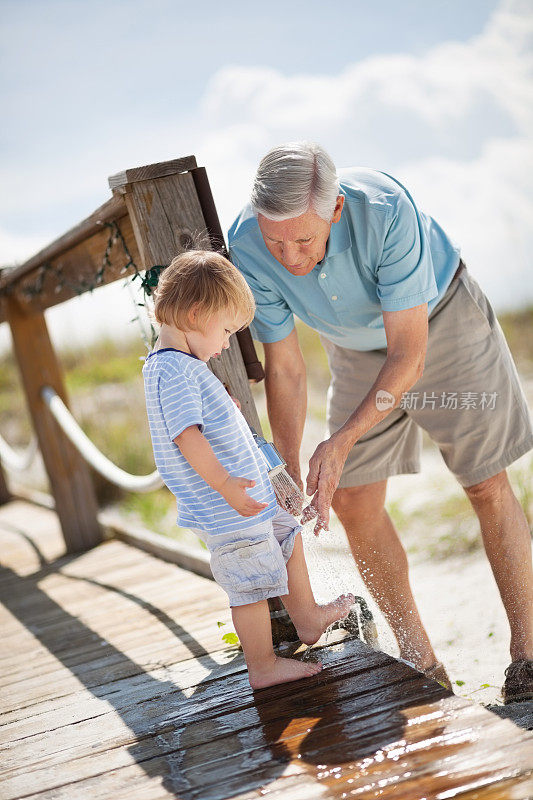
254,368
111,210
151,171
70,481
62,270
167,218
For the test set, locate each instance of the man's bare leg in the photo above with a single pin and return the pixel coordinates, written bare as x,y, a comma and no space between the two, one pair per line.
507,542
382,563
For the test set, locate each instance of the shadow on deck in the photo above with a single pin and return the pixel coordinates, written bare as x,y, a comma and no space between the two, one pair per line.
115,682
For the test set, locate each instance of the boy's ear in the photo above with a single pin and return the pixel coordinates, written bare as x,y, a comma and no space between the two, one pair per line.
193,316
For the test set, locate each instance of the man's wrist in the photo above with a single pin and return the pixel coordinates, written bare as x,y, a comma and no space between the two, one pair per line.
343,441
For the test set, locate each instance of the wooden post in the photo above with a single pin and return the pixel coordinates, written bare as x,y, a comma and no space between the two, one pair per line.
254,368
167,217
69,475
170,205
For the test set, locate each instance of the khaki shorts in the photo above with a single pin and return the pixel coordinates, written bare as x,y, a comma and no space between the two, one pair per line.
250,564
469,398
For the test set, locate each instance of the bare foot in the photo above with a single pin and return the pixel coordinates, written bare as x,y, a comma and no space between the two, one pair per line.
323,617
281,670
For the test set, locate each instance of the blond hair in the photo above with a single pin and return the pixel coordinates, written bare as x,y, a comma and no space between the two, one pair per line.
205,280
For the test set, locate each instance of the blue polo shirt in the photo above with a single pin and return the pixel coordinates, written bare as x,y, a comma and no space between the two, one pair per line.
383,254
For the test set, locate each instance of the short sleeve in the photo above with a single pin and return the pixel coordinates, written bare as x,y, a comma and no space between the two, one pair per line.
273,319
181,402
405,276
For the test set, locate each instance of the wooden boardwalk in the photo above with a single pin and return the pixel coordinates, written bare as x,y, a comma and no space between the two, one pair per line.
115,683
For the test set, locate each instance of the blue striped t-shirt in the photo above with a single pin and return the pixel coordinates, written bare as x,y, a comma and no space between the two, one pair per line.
181,391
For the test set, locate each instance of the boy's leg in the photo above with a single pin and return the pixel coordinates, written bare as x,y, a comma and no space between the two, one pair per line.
310,619
252,623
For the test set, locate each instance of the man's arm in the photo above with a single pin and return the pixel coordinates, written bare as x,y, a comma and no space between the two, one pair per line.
286,393
406,333
199,453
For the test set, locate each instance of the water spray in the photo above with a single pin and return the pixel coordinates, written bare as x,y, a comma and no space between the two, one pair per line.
288,493
359,621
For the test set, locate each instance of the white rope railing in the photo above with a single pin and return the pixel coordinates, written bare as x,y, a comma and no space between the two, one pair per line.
91,454
18,461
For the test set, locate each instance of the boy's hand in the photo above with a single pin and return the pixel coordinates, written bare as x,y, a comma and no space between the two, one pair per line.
233,490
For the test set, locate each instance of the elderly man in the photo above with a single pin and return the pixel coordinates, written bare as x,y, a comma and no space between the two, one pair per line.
412,343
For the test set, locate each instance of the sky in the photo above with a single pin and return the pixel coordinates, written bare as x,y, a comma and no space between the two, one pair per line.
440,95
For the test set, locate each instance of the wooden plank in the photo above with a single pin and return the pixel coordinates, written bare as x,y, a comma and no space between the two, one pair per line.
441,736
253,367
209,672
67,472
49,715
96,661
150,171
78,742
209,211
74,270
202,760
230,370
165,215
190,558
113,209
167,219
335,751
366,726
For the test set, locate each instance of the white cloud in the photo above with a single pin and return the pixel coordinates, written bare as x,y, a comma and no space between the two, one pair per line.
455,124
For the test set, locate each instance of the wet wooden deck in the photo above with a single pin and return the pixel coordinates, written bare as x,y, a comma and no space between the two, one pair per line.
115,683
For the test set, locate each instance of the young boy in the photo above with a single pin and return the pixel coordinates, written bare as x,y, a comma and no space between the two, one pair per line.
205,453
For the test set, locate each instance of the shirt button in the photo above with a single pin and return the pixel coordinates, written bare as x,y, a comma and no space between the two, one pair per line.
334,297
322,274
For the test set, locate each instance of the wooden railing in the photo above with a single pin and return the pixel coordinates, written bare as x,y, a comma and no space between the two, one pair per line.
155,212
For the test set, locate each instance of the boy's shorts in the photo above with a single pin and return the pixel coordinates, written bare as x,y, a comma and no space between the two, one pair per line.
250,565
469,399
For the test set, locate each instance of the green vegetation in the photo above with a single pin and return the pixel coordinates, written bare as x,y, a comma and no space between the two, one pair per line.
231,639
104,384
103,363
518,329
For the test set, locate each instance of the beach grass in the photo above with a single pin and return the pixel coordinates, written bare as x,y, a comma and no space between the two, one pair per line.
104,384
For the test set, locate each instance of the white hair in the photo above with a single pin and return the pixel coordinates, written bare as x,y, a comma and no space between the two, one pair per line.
294,178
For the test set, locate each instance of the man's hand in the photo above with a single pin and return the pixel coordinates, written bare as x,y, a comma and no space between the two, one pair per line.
406,347
233,490
325,468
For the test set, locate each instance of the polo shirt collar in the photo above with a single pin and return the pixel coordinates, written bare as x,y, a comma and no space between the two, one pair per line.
340,238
